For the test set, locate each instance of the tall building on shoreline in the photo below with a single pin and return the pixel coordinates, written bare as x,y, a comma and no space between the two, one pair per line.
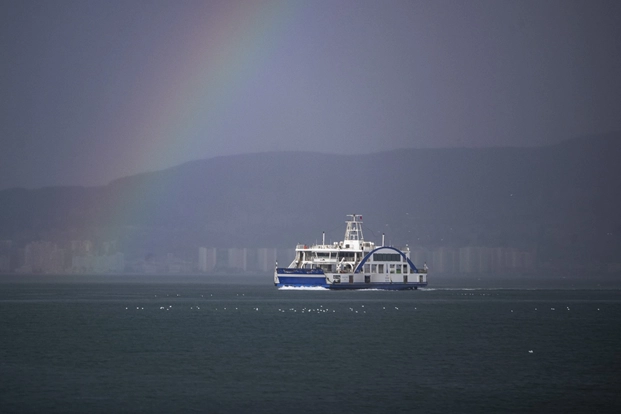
43,257
207,259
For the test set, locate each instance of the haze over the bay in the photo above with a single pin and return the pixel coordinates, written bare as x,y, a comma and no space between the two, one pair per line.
95,90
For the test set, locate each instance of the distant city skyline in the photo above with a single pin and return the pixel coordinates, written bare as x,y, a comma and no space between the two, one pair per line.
45,257
92,91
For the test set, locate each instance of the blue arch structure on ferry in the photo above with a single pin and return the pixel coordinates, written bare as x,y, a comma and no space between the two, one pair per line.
359,267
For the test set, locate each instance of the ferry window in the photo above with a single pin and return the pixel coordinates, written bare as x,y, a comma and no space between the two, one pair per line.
380,268
405,268
386,257
398,268
367,279
373,268
367,268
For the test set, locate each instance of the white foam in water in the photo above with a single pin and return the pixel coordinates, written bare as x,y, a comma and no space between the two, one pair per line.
370,290
428,289
302,288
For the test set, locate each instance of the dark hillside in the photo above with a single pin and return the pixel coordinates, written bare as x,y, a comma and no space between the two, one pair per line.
562,199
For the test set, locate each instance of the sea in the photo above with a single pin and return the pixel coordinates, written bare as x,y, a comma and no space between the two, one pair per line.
236,344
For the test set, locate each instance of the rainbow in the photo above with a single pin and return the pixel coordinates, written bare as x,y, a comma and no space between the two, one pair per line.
228,46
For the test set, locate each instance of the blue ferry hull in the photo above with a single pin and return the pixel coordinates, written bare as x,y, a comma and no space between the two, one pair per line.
301,279
380,286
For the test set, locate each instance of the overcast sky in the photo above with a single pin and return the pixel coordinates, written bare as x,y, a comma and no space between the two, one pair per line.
95,90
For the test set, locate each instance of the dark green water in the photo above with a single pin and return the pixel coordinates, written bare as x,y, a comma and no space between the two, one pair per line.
190,344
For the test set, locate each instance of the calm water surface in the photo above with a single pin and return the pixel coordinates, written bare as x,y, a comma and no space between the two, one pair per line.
198,344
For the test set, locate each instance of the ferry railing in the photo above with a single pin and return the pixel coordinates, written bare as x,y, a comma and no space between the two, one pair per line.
317,246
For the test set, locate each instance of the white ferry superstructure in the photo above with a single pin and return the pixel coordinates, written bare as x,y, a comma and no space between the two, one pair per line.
351,264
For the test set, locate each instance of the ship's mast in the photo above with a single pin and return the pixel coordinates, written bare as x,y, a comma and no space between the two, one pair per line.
353,231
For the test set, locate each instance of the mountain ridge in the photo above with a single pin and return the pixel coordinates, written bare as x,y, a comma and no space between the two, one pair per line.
538,197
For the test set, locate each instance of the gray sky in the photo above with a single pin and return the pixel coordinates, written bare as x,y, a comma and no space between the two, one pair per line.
95,90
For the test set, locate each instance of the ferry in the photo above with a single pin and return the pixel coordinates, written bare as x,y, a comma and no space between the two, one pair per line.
351,264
